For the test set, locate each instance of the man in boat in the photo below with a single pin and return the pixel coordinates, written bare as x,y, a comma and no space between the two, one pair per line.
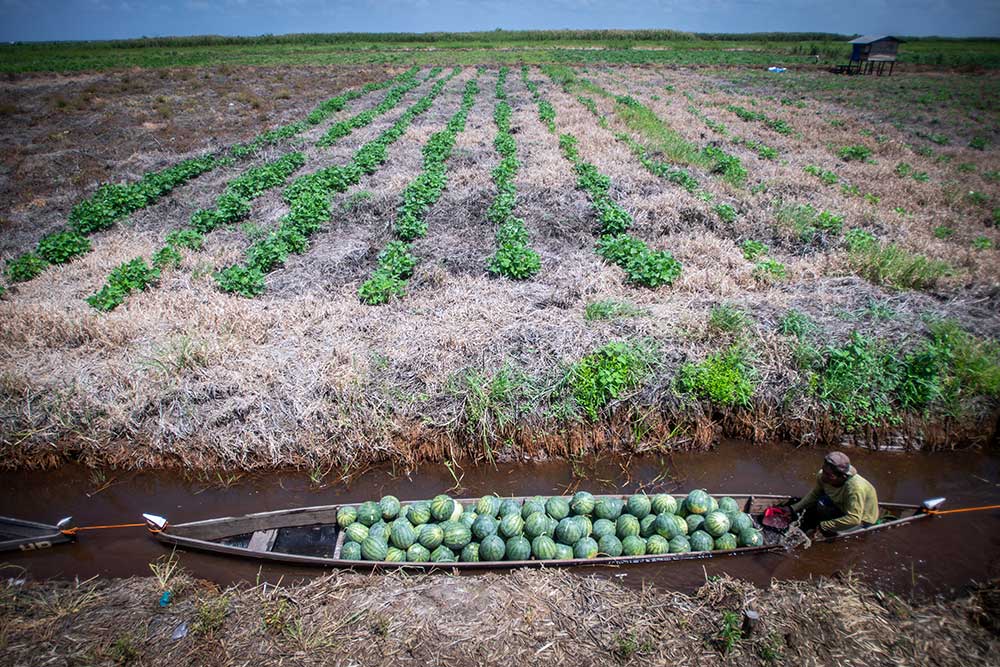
841,501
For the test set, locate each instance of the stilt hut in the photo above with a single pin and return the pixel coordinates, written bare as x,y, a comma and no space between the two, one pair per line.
872,54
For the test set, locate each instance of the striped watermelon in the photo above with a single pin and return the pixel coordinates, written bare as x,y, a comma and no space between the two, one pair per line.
608,508
369,513
356,532
557,508
380,531
582,503
694,522
543,548
389,506
701,541
633,545
603,527
401,534
442,507
488,505
751,538
518,548
373,549
456,535
346,516
484,526
492,548
510,506
394,555
609,545
536,524
728,505
646,525
657,545
568,531
585,548
682,524
419,513
467,518
350,551
663,503
586,527
511,526
470,553
698,502
443,555
716,524
725,542
680,545
530,507
564,552
550,527
431,536
665,526
417,553
638,505
741,522
626,525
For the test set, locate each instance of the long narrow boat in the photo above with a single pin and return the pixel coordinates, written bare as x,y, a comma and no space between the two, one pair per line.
29,536
311,536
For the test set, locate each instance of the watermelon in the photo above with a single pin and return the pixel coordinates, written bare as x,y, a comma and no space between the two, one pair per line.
741,522
467,518
680,545
682,525
603,527
698,502
488,505
728,505
609,545
582,503
701,541
356,532
443,555
373,549
694,522
346,516
492,548
713,504
626,525
394,555
380,531
510,506
663,503
419,514
568,531
417,553
518,548
608,508
510,526
350,551
484,526
543,548
638,505
557,508
585,548
657,545
389,506
442,507
646,525
470,553
430,536
401,534
530,507
751,538
716,524
536,525
665,526
633,545
369,512
564,552
586,527
725,542
550,527
456,535
403,511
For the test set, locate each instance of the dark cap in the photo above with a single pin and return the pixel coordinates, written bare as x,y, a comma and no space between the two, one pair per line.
839,462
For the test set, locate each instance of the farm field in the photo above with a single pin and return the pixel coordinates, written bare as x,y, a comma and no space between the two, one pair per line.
340,265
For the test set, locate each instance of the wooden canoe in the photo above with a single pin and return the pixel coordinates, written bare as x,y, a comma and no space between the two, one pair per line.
28,536
311,536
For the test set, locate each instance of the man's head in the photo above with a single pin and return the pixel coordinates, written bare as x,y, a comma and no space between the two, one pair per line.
836,468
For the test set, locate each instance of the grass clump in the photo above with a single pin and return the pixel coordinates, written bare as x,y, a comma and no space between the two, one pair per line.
888,264
809,223
854,153
726,377
982,243
726,212
726,318
606,374
610,309
796,323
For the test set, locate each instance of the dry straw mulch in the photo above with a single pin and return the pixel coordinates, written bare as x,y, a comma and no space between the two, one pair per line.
546,617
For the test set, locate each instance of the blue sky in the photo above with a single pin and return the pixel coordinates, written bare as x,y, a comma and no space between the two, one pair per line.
30,20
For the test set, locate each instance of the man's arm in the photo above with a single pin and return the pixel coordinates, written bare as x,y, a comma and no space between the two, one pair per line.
809,500
854,508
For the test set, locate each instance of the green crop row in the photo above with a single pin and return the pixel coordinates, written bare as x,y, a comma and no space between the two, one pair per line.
308,198
345,127
776,124
395,263
513,258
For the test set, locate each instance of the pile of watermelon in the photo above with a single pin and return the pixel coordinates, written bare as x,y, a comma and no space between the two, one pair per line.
442,530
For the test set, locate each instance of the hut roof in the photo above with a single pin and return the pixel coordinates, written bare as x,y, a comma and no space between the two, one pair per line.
869,39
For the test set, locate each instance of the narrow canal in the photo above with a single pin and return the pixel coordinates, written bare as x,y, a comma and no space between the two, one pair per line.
939,555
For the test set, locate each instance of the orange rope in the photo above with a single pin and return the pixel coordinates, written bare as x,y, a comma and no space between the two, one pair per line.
964,509
74,530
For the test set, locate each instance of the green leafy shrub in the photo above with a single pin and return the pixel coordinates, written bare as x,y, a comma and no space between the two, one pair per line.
809,223
62,246
606,374
185,238
380,288
726,377
752,250
979,143
132,276
943,232
982,243
726,212
515,261
824,175
24,267
856,381
796,323
856,152
247,281
728,165
769,269
166,257
653,268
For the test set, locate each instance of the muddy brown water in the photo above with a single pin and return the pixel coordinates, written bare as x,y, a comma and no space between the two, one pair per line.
939,555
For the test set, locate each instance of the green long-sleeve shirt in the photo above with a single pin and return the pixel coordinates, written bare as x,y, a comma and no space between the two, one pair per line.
856,498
